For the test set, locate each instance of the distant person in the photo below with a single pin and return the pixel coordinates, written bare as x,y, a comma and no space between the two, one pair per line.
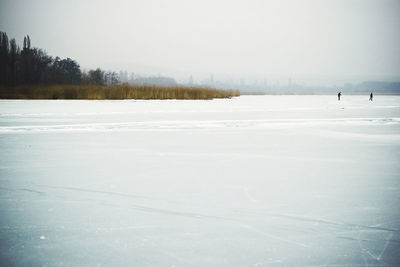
371,96
339,95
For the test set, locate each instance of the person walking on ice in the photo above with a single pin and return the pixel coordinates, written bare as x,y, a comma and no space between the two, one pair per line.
339,95
371,97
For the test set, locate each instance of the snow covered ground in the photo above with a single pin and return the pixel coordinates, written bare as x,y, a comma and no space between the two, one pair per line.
249,181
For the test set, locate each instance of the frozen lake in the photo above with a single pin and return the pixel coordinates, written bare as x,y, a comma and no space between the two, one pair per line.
249,181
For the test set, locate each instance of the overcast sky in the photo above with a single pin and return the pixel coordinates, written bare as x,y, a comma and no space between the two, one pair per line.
247,38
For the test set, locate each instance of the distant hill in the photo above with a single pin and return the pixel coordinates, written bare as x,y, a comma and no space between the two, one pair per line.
377,87
154,80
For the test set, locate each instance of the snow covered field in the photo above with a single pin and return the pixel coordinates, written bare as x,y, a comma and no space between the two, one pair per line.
249,181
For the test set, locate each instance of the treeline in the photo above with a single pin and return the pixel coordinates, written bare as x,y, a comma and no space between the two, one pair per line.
29,73
33,66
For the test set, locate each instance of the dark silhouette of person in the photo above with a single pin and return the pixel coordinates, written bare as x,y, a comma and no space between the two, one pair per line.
339,95
371,97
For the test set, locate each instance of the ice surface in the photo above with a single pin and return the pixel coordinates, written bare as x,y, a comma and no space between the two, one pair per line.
249,181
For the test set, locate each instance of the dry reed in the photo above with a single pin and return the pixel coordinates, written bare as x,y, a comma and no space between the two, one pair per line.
123,91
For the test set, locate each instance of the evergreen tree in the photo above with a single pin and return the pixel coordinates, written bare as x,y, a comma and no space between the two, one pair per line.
4,51
13,57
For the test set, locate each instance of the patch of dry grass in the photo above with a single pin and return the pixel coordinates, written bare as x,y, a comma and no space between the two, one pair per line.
124,91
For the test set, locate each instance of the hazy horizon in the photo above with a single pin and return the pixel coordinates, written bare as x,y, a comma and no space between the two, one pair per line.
320,41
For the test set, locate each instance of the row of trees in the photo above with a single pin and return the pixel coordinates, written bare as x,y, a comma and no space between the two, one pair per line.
32,66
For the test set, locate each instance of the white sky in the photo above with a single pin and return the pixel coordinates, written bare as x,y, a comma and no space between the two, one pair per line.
248,38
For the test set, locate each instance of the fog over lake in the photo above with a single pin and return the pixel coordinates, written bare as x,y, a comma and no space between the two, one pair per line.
315,42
